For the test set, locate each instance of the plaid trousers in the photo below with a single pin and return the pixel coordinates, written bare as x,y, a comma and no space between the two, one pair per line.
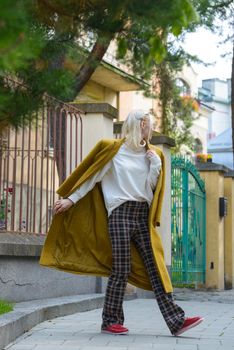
129,222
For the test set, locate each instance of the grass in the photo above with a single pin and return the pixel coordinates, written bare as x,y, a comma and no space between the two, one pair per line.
5,307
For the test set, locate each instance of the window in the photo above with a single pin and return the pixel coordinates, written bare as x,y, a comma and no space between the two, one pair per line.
184,88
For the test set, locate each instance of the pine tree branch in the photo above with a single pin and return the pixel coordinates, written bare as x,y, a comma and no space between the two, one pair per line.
54,7
95,57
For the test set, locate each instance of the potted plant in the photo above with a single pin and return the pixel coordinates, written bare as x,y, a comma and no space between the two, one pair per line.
209,157
201,158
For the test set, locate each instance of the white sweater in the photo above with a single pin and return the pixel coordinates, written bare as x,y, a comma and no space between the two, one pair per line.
129,175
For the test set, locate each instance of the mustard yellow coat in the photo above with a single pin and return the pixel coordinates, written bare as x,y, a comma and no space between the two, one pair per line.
78,241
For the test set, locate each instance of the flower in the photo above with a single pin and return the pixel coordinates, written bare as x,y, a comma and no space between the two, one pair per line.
203,158
9,190
191,101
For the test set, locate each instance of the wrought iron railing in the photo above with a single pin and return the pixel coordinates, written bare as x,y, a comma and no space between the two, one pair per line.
117,130
34,161
188,223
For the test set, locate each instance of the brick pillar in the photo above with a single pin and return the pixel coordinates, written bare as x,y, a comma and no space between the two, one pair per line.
229,232
213,175
97,123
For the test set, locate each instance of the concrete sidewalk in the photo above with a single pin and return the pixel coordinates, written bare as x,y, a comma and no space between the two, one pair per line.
28,314
81,331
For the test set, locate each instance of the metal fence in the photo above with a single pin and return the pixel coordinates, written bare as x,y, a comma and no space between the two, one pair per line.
188,224
34,161
117,130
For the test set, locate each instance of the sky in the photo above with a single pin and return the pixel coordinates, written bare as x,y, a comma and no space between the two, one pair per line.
205,45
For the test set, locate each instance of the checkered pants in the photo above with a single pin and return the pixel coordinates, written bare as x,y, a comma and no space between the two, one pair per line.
128,222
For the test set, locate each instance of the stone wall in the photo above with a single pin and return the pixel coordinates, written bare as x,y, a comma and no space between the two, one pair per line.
22,278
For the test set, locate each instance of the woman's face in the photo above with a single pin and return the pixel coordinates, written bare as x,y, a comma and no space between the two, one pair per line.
146,128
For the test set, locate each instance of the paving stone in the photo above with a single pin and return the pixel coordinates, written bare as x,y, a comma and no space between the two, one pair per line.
81,331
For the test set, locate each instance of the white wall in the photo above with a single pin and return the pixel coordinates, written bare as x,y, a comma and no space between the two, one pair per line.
221,118
225,158
129,100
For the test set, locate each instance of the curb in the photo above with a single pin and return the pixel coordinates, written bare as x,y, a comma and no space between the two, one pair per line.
28,314
215,296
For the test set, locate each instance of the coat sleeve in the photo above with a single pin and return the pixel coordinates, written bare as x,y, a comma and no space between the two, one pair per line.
155,168
89,184
71,180
161,183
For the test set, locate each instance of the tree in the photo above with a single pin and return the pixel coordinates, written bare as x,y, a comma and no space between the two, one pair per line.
177,117
54,61
177,111
20,43
216,14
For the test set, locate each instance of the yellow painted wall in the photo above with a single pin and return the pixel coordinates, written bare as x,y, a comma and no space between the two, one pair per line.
229,233
94,92
214,183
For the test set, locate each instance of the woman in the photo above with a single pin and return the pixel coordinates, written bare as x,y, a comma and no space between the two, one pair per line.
128,183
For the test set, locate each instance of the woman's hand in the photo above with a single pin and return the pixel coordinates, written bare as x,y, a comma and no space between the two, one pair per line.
153,157
62,205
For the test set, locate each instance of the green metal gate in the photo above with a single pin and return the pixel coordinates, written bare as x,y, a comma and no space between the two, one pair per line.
188,224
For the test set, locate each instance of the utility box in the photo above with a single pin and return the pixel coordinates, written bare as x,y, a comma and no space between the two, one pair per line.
223,206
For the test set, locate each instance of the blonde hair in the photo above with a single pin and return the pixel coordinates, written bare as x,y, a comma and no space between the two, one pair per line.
131,127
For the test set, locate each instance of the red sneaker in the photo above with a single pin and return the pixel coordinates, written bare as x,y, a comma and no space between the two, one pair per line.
189,322
115,329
